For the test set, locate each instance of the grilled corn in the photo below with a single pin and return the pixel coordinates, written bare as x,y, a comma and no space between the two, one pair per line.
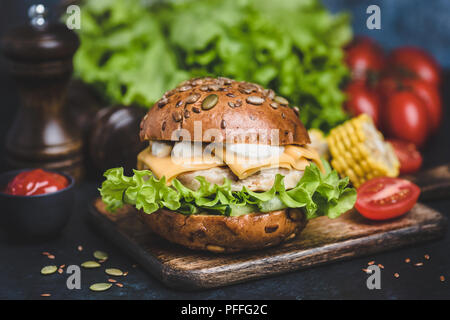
359,151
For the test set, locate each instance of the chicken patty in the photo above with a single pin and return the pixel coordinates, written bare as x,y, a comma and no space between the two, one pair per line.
260,181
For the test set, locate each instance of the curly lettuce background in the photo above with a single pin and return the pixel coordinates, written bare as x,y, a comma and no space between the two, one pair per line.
133,51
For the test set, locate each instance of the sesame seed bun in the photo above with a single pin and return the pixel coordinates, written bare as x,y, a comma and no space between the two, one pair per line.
221,234
241,112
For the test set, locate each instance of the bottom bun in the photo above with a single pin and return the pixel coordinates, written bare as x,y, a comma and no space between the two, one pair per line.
226,234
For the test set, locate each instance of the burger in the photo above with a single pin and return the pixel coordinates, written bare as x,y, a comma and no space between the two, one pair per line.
228,168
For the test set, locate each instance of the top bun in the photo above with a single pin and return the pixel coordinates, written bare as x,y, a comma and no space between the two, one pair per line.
240,112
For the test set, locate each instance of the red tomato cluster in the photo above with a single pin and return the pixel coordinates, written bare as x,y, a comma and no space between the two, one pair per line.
400,91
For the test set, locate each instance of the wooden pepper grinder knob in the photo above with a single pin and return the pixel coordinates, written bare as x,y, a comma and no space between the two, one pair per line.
40,59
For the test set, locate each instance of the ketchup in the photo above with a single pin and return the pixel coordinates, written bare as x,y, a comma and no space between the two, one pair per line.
38,181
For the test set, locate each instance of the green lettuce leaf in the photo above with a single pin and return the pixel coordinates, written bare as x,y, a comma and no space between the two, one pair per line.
317,193
133,51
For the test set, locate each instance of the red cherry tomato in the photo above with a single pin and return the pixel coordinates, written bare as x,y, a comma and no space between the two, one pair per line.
386,198
406,118
387,86
361,99
416,61
431,98
38,181
362,56
410,159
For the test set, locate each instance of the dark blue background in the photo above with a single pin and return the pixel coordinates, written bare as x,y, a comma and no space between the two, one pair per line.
421,23
424,23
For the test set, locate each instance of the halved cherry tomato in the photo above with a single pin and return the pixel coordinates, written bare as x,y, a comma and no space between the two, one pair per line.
361,99
386,198
416,61
363,55
410,159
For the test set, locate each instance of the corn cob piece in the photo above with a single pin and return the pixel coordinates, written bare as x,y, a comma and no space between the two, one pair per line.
359,151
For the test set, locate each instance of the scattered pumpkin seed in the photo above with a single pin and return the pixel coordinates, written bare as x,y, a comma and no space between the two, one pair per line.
193,98
210,101
169,93
269,93
162,102
114,272
184,83
184,88
225,80
49,270
100,255
281,100
90,264
102,286
214,87
247,88
177,116
255,100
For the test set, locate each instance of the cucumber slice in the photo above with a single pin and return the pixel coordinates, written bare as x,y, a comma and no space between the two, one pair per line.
273,204
241,210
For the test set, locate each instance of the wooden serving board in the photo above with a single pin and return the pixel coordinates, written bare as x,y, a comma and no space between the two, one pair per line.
434,183
323,241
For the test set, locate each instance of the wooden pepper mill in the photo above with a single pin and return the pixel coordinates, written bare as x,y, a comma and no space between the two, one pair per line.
40,59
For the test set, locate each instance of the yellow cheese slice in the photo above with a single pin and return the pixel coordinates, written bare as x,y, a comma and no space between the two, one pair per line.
171,168
293,157
300,153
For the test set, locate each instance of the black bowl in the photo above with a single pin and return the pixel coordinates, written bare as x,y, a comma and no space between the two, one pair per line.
40,216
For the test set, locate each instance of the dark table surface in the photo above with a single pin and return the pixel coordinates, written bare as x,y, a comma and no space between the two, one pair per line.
20,264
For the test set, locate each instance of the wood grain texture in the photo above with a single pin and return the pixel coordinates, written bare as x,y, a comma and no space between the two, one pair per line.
322,241
434,183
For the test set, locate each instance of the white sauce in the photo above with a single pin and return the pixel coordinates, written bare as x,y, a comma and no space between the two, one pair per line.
187,150
161,149
255,151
